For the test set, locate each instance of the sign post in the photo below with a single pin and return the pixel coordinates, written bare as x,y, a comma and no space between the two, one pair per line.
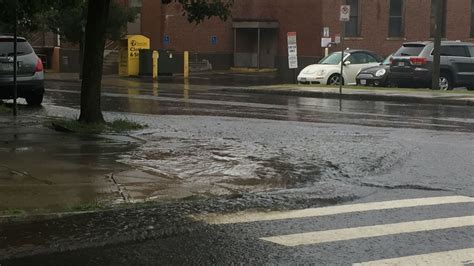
292,53
15,61
345,15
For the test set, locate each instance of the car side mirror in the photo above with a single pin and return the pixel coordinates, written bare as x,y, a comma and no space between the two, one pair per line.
346,63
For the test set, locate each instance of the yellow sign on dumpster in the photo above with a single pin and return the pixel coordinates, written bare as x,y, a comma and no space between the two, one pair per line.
129,52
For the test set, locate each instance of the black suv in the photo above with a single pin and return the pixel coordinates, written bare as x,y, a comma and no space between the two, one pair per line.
412,65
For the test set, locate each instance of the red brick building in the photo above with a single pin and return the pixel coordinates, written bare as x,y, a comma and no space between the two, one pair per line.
255,36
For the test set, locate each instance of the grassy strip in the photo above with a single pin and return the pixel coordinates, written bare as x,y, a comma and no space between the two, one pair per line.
116,126
4,109
85,207
12,212
369,88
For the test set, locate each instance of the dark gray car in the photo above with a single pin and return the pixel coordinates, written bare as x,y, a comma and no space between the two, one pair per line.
412,65
30,71
378,76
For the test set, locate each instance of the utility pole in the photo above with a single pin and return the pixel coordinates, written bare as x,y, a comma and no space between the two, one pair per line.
437,44
15,59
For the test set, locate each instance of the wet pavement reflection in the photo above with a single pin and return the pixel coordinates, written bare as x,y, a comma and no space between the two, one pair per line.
41,168
192,99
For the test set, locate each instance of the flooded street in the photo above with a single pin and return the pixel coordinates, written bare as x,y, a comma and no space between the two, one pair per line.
207,152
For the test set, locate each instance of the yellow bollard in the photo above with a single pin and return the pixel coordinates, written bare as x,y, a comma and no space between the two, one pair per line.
155,65
186,65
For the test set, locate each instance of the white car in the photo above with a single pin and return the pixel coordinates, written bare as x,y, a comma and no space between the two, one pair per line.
328,70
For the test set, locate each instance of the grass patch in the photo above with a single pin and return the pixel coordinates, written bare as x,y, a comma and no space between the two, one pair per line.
116,126
12,212
371,88
4,109
85,207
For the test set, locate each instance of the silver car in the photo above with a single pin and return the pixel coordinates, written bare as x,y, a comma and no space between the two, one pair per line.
30,75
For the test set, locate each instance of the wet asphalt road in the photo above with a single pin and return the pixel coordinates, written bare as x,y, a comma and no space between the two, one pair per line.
418,151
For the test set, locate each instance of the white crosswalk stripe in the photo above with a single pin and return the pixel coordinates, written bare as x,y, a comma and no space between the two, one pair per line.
370,231
453,258
365,233
247,217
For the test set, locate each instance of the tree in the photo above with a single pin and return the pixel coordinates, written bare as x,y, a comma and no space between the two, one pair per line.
437,45
63,14
195,10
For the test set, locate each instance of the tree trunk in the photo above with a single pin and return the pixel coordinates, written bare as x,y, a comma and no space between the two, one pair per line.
98,11
437,45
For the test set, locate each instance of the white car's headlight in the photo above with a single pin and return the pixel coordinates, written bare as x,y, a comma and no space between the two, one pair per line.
380,72
308,71
321,72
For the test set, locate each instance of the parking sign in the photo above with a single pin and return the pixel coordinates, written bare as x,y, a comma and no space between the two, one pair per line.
345,13
292,50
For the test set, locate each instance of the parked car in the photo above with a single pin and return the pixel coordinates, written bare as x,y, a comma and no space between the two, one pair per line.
30,75
375,76
328,70
412,65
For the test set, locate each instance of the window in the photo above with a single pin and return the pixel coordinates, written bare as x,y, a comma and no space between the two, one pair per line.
434,4
361,58
472,18
352,27
395,23
410,50
135,3
471,49
6,47
454,50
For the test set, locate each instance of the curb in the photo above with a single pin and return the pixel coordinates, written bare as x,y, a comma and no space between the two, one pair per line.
42,216
358,96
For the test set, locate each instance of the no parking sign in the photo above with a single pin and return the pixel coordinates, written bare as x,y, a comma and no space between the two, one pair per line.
345,13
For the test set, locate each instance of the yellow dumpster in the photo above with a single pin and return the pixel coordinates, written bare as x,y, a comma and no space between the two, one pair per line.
129,54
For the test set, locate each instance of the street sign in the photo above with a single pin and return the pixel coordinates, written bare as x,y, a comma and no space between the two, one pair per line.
214,40
337,39
326,32
166,40
345,13
292,50
325,42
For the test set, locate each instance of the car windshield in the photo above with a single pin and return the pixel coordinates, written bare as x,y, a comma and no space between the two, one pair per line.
410,50
6,47
332,59
387,60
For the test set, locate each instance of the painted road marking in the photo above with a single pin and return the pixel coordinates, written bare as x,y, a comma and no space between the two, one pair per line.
455,257
370,231
247,217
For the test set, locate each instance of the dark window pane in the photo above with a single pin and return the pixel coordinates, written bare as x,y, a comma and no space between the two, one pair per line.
454,51
395,27
471,49
472,18
351,28
354,7
396,7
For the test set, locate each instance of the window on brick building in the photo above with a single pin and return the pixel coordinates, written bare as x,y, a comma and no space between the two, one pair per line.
353,26
395,24
434,4
472,18
135,3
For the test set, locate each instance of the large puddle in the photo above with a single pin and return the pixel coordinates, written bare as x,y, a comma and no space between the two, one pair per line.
175,168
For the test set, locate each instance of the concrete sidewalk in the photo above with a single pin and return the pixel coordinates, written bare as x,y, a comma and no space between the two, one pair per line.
460,97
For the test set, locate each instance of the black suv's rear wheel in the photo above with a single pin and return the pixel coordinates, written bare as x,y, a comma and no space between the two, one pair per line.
470,88
34,99
445,82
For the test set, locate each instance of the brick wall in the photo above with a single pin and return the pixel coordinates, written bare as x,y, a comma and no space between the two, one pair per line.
307,18
374,23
